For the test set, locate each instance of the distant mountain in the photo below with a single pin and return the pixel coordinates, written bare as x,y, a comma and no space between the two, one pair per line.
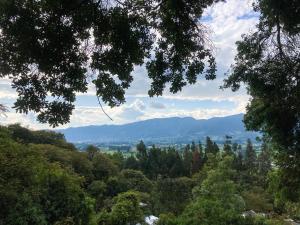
168,130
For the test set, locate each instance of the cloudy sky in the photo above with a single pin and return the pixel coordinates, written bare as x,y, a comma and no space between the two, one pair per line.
226,23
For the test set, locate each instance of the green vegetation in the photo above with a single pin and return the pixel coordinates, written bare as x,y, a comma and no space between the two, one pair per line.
55,45
45,180
48,48
268,62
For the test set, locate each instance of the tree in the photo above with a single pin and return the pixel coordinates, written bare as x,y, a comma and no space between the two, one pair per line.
264,160
103,167
142,153
250,157
166,219
135,180
91,151
193,146
268,62
56,45
200,148
216,199
209,146
64,197
238,161
98,189
235,147
173,194
176,167
257,199
36,191
126,210
196,161
187,161
118,159
131,163
227,149
249,175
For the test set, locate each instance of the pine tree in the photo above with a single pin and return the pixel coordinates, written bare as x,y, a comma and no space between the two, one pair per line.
238,160
227,149
235,148
142,156
196,162
216,149
193,146
187,161
141,150
250,157
264,160
200,147
209,147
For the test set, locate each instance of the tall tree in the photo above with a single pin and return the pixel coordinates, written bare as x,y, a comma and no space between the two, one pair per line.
250,157
264,160
268,62
227,148
238,161
216,199
187,161
196,162
51,48
193,146
173,194
141,150
209,146
216,148
200,147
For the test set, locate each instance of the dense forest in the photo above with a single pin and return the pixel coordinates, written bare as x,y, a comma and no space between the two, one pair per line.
45,180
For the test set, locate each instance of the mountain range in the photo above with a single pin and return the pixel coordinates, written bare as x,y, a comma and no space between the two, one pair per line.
162,130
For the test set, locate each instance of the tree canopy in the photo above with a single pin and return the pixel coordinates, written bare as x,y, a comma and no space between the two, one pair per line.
52,50
268,63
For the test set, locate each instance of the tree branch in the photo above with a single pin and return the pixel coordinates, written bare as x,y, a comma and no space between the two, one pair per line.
103,108
279,36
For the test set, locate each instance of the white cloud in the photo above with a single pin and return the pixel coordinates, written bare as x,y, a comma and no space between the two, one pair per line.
157,105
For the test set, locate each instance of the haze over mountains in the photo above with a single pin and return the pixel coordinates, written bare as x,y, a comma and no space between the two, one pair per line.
167,130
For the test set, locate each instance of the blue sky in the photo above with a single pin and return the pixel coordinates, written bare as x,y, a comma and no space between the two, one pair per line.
225,23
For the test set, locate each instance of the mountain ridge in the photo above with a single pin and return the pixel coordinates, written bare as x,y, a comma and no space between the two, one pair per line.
161,129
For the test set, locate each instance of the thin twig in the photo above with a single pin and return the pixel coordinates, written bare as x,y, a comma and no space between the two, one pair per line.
3,110
103,109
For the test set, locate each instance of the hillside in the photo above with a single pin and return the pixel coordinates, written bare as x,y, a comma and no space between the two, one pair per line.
162,130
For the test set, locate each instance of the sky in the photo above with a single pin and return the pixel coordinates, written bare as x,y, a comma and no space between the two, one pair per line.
225,22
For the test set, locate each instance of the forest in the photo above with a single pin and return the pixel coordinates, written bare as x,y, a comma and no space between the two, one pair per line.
45,180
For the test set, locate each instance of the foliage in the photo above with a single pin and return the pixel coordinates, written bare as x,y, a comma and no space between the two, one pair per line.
56,45
173,195
34,191
167,219
268,63
257,199
216,200
135,180
54,184
126,210
103,167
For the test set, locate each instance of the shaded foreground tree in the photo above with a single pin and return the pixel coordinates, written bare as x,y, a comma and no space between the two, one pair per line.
216,199
52,49
268,62
126,210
